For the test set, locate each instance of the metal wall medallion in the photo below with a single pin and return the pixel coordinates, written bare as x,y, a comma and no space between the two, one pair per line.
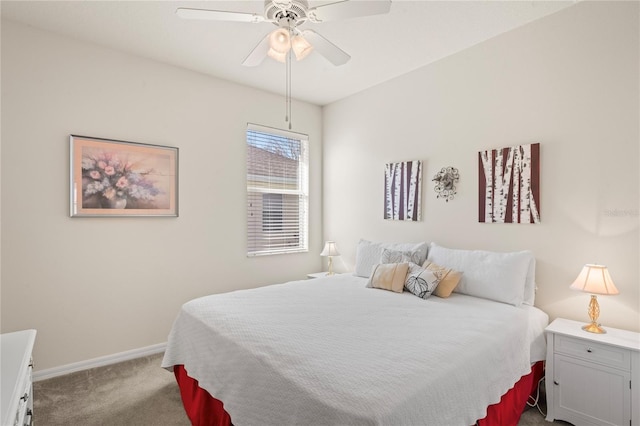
445,180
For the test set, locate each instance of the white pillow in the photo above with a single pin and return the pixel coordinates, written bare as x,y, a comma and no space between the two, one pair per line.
368,254
530,284
491,275
396,256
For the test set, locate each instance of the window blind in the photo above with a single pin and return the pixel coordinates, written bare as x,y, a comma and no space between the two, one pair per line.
277,191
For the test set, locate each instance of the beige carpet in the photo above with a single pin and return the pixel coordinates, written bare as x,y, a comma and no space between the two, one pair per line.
136,393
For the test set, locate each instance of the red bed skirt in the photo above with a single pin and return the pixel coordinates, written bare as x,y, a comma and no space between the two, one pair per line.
204,410
513,403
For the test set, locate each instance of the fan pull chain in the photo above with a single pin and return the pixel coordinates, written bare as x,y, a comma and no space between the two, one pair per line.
289,86
287,59
286,90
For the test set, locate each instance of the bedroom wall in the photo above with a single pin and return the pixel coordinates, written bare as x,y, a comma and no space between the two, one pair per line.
99,286
570,82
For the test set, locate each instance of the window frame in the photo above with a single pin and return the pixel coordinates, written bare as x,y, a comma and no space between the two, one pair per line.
287,239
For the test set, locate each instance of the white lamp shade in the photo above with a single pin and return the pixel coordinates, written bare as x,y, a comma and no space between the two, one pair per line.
330,249
301,47
278,56
280,41
595,279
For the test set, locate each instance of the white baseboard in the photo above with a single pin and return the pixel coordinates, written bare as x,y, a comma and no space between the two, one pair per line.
98,362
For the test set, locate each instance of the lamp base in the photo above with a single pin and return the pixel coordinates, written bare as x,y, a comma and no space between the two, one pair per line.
594,328
330,266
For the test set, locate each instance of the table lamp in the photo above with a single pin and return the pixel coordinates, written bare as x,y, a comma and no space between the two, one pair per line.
594,279
330,250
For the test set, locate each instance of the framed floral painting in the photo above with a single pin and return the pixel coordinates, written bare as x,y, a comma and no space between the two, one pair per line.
118,178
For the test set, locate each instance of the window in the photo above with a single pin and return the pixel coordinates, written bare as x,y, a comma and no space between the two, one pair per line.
271,212
277,191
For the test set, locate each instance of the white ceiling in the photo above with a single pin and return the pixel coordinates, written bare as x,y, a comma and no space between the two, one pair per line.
413,34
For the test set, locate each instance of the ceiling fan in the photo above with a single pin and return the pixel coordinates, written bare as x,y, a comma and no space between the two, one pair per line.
288,15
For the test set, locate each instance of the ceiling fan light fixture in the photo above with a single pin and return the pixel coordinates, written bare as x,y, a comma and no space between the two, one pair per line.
278,56
280,41
301,47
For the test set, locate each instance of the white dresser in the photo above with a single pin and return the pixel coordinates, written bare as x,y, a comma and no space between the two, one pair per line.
15,369
592,379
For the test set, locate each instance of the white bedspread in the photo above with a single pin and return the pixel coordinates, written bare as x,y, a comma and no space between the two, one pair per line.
329,351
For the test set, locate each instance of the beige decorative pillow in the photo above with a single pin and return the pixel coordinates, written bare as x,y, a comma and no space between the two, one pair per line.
449,278
389,276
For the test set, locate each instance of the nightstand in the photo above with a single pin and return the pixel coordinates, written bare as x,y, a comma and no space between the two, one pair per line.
17,390
592,379
317,275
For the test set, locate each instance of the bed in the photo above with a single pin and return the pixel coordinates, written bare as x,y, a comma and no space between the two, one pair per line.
330,351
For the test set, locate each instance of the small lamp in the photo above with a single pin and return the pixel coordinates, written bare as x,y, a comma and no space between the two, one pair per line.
301,47
280,40
330,250
594,279
279,44
278,56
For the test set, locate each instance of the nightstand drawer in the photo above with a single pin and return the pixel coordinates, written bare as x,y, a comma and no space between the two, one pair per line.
593,351
25,403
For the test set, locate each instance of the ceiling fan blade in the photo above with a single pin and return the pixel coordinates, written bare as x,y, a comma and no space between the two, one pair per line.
258,53
333,53
218,15
348,9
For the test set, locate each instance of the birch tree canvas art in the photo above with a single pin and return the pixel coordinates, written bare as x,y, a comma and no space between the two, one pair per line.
403,191
509,184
